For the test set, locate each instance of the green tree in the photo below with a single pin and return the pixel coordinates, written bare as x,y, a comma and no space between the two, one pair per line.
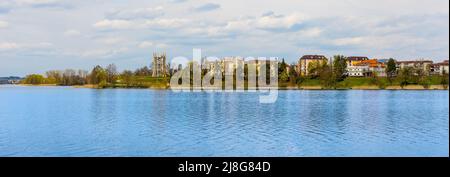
111,72
34,79
391,69
326,76
339,67
405,76
283,74
127,77
315,67
54,77
98,76
444,80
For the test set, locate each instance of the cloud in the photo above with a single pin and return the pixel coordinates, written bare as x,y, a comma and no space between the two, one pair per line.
3,24
149,44
8,46
111,40
72,33
207,7
166,23
271,21
4,46
44,3
160,23
102,53
348,41
178,1
5,6
140,13
114,24
145,44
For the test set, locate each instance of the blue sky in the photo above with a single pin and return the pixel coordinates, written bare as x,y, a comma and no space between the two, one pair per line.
39,35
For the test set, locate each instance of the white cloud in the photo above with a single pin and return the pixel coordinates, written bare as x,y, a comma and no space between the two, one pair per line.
149,44
140,13
145,44
160,23
273,21
8,46
4,24
112,40
311,32
72,33
348,41
166,23
103,53
114,24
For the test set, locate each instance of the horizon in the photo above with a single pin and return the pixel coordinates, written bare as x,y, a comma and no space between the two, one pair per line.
37,36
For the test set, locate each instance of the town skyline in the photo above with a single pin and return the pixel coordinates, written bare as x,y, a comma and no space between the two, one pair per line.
37,36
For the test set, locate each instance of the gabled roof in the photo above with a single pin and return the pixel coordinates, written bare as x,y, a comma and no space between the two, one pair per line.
357,58
313,57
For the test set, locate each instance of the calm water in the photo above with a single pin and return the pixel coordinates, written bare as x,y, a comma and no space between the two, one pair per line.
55,121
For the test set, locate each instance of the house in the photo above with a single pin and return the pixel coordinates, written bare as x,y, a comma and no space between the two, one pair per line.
439,68
229,64
304,62
353,60
376,67
423,65
358,70
10,80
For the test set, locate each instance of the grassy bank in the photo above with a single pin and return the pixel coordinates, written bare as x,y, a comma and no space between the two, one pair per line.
351,83
366,83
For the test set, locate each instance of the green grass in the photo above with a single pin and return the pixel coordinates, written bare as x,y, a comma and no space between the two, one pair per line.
380,82
144,82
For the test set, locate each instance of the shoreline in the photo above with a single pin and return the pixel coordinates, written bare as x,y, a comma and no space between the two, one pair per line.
368,87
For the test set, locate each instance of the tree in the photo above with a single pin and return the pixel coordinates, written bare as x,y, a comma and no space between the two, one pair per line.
326,76
126,77
34,79
54,77
144,71
283,74
391,69
98,75
315,67
444,80
339,67
68,77
111,72
405,75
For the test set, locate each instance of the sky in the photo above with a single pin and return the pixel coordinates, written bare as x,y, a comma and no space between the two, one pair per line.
41,35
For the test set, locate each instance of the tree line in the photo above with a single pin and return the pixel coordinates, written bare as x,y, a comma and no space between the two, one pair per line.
97,76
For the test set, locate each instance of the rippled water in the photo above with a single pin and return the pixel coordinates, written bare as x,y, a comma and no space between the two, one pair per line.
56,121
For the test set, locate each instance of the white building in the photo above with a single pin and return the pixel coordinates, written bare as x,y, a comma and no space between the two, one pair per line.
358,71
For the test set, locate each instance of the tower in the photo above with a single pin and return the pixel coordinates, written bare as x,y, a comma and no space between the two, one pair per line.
159,68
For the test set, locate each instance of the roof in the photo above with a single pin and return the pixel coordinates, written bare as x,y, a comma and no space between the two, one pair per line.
414,62
371,63
313,57
357,58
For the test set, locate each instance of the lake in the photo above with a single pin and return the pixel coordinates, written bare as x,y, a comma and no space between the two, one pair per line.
65,121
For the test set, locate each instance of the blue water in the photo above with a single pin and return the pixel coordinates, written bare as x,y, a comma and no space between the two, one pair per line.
57,121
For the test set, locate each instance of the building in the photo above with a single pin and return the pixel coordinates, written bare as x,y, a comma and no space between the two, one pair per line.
423,65
229,64
10,80
358,70
366,67
159,67
439,68
376,67
353,60
304,62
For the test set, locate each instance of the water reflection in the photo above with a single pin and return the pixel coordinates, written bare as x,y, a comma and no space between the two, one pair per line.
86,122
